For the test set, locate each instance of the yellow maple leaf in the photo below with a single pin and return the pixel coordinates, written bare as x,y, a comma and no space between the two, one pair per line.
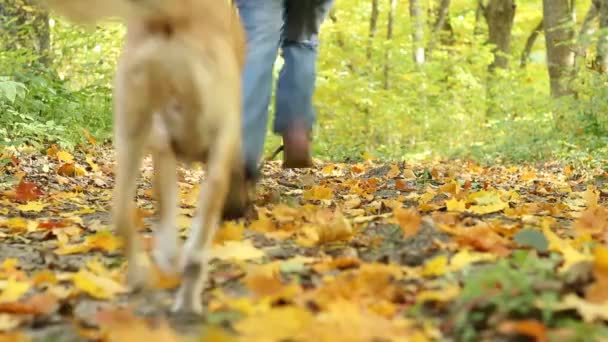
34,206
230,230
445,294
286,322
455,205
13,290
103,240
318,193
435,267
15,224
236,250
486,202
570,254
97,286
64,156
466,257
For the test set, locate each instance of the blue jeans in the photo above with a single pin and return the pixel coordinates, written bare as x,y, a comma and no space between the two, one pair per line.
264,22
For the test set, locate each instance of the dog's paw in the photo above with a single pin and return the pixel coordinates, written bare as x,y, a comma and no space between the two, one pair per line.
138,270
166,257
188,302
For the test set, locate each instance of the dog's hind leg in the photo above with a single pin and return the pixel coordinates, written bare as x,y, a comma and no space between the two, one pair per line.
165,182
195,257
131,129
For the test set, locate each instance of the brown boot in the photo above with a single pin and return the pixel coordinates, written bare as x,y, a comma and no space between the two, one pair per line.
297,152
238,199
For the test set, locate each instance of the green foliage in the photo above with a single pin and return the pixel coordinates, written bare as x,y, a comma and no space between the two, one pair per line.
508,289
450,107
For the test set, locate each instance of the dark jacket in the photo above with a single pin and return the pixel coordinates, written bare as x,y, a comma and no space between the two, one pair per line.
302,18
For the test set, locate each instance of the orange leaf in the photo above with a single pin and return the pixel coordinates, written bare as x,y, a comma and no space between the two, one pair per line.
27,192
393,172
89,137
38,304
67,170
531,328
409,220
593,221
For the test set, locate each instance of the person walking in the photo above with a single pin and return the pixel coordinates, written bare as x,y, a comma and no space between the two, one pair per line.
292,27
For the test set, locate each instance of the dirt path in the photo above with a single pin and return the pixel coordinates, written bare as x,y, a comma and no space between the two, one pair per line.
356,252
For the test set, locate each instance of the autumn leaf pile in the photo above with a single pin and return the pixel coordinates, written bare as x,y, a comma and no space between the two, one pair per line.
366,251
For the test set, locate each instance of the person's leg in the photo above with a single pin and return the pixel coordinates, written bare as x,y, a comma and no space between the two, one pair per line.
294,112
263,22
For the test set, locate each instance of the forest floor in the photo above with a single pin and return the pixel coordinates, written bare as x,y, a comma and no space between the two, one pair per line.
366,251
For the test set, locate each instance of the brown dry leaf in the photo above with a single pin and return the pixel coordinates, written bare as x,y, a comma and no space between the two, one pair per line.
409,221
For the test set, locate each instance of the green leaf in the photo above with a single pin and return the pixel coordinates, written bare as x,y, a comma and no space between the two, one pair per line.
532,238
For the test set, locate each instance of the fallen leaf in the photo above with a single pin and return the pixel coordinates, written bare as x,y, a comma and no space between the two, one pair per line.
530,328
13,290
26,192
229,231
97,286
39,304
318,193
435,267
236,250
33,206
409,220
64,156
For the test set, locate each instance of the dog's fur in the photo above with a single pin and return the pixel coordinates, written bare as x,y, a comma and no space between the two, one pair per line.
178,93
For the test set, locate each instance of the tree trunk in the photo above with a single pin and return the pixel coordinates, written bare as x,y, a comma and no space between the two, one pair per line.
601,61
439,25
373,27
500,14
478,15
417,32
525,55
389,38
26,27
559,34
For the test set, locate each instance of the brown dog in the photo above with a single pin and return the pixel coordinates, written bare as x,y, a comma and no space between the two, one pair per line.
178,93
